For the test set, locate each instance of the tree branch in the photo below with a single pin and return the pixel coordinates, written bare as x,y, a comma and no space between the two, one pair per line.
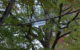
78,10
56,40
67,8
7,11
65,34
22,24
61,5
67,25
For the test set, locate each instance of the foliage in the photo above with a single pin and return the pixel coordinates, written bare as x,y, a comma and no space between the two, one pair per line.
18,17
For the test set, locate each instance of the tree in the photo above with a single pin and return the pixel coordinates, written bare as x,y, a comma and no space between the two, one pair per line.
60,18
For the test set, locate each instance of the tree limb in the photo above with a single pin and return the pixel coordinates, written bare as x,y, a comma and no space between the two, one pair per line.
67,25
56,40
65,34
61,5
45,19
7,11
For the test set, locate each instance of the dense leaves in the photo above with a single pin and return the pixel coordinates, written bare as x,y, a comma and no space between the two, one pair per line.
39,24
